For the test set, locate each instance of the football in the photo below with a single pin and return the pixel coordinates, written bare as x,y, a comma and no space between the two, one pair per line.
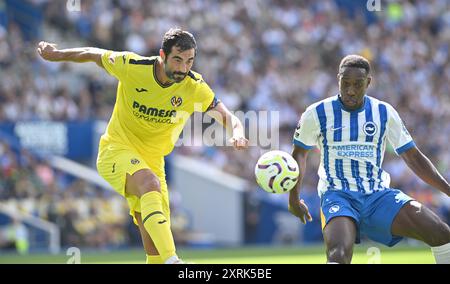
276,172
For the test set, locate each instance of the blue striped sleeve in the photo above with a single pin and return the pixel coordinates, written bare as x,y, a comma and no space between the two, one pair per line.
405,147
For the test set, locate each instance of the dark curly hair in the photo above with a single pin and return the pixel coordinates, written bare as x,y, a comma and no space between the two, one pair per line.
176,37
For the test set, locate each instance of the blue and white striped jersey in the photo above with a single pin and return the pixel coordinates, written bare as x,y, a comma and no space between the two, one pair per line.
352,143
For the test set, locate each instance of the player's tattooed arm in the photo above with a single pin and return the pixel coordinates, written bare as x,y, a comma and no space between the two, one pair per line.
424,169
50,52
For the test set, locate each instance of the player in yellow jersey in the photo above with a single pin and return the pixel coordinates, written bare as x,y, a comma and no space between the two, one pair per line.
155,97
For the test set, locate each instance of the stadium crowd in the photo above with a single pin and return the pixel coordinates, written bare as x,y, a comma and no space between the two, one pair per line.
86,216
273,55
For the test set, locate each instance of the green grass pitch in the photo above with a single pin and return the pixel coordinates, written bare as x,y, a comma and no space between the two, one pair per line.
245,255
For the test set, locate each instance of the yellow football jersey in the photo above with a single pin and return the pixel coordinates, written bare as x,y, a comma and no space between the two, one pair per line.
148,115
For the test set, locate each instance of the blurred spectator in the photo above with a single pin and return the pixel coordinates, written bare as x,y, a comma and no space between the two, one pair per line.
15,235
87,216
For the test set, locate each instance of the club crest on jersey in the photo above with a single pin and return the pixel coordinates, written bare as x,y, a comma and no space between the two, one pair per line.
334,209
370,128
176,101
135,161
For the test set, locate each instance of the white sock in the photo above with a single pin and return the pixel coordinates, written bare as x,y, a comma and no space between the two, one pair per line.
441,254
331,262
172,260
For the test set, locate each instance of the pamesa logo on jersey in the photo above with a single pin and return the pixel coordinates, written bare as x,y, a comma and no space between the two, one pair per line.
370,128
153,114
176,101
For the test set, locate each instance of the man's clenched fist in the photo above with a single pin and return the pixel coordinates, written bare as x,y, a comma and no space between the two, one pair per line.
48,51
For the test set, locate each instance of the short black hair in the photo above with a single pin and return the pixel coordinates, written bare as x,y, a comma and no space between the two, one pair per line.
354,60
177,37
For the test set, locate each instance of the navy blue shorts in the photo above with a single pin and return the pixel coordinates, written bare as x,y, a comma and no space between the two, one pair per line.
373,213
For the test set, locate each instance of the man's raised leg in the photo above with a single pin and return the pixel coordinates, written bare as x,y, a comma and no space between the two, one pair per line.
418,222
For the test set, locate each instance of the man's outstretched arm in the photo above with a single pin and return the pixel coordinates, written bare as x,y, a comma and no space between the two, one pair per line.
231,123
425,170
48,51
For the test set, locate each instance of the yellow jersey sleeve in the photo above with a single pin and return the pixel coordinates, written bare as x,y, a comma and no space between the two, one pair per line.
205,96
116,63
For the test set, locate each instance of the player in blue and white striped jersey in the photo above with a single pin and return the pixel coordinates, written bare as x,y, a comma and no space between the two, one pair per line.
351,130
